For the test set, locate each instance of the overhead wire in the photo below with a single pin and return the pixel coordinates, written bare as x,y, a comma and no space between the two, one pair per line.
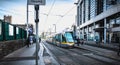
50,10
69,11
65,14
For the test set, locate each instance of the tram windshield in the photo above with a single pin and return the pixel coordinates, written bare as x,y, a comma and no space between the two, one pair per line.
69,37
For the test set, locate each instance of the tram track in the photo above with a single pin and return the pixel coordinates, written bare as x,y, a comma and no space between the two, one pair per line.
84,55
99,53
96,56
87,54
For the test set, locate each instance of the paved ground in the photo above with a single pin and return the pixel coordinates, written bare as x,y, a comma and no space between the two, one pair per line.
83,55
23,56
53,55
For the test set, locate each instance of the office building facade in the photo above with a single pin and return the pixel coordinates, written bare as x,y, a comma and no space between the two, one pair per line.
99,20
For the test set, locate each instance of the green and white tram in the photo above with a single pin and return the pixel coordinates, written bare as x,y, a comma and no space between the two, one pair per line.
64,39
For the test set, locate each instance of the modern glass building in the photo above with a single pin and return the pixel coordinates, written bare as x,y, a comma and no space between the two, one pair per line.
99,20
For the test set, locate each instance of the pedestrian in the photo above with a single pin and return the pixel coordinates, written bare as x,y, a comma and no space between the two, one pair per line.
82,41
31,39
27,42
78,41
118,53
39,40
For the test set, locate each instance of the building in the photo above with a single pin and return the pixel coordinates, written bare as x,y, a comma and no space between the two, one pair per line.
98,19
8,19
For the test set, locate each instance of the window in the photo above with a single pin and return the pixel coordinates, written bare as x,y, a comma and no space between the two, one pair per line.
78,16
90,29
96,26
92,8
82,16
118,20
111,3
99,6
87,10
112,21
68,37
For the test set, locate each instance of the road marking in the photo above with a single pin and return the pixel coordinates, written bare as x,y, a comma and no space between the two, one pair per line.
87,54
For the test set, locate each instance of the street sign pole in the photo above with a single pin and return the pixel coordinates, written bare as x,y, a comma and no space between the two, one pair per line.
37,21
36,4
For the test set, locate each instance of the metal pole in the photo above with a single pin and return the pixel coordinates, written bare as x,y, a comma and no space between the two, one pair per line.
55,27
27,19
37,42
105,30
105,8
94,32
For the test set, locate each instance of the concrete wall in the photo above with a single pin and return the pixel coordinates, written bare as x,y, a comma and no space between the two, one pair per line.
7,47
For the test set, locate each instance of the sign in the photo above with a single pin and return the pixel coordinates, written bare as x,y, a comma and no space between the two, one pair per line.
36,2
10,30
0,28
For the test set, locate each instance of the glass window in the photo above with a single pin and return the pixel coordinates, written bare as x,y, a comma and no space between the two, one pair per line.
118,20
111,3
107,25
118,1
96,26
63,39
90,29
92,8
112,21
86,10
69,37
59,38
82,16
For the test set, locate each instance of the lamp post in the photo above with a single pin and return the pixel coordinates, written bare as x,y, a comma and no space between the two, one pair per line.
55,27
27,18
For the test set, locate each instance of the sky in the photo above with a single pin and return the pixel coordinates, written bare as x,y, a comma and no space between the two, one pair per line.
59,12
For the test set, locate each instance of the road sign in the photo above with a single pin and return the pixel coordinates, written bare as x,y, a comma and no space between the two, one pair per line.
36,2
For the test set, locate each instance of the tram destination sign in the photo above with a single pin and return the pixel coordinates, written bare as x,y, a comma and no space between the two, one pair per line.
36,2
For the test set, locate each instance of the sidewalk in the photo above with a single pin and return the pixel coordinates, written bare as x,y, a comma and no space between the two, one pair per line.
23,56
110,46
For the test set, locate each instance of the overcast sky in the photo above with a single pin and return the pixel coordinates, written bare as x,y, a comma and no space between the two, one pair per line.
62,13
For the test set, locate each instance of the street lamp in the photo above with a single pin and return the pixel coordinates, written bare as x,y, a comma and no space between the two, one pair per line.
55,27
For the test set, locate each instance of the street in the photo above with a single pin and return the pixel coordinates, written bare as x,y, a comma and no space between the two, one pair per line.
50,54
79,56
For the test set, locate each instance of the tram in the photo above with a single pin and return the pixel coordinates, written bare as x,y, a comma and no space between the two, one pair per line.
64,39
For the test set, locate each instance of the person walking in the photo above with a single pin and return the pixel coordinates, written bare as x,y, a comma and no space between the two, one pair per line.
78,41
118,53
39,39
27,42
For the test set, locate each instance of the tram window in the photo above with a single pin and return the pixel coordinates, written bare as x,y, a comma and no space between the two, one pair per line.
63,39
69,37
